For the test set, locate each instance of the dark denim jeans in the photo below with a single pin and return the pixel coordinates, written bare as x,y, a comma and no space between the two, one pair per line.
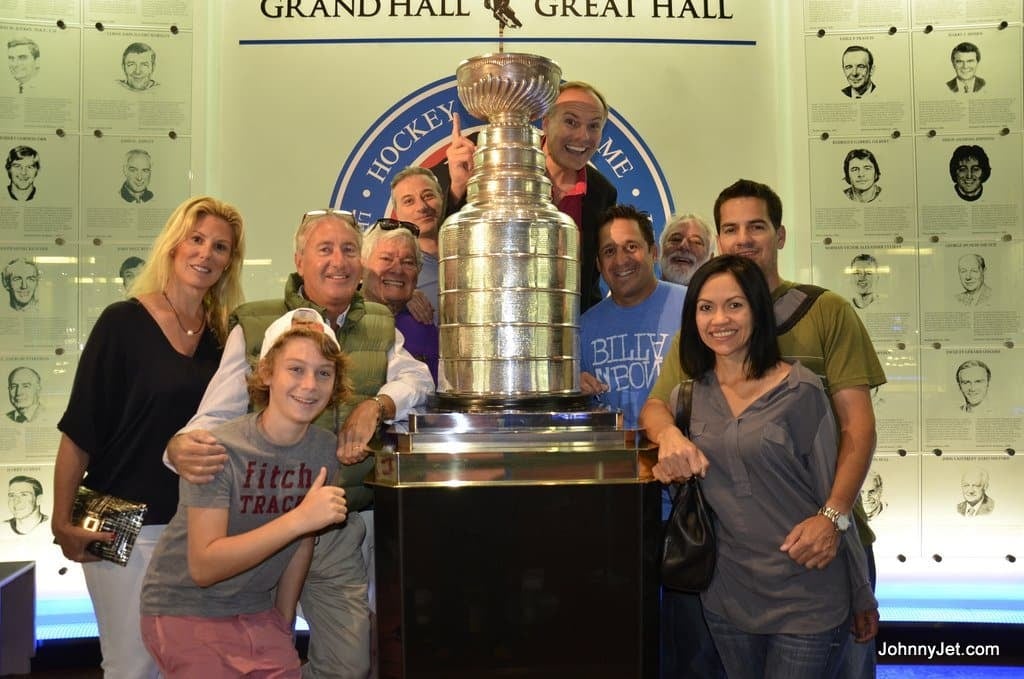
861,661
778,656
687,650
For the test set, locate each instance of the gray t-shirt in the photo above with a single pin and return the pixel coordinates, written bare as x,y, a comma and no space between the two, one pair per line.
771,468
260,482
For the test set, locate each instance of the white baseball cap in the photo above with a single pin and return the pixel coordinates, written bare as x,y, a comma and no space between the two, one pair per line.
302,317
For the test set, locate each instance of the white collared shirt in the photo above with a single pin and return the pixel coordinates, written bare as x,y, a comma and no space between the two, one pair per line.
408,384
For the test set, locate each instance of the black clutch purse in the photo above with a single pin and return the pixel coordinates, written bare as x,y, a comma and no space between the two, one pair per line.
689,550
100,513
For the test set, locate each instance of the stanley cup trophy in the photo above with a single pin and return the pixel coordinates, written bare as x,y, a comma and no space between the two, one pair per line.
515,527
509,260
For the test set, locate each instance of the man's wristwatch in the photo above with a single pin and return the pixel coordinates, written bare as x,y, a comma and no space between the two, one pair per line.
840,521
380,408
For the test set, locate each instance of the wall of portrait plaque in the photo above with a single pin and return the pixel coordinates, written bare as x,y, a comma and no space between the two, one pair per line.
137,81
970,185
916,165
896,403
95,122
879,280
41,89
869,190
25,528
40,200
130,184
858,83
890,498
972,398
971,505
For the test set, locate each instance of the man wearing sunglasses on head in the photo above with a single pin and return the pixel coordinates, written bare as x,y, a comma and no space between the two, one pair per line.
387,382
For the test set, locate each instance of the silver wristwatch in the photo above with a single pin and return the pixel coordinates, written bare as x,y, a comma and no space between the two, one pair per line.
840,521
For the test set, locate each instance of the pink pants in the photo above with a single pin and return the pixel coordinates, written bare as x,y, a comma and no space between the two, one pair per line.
257,645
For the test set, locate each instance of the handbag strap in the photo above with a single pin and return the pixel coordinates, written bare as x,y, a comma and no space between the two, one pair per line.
684,405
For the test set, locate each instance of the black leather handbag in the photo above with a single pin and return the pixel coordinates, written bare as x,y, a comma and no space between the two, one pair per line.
689,549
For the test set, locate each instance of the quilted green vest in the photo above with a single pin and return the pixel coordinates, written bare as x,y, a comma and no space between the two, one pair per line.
366,336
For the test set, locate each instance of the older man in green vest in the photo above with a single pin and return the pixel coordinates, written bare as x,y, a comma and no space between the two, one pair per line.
387,382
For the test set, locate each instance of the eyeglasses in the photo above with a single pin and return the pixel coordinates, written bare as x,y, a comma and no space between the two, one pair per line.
315,214
385,224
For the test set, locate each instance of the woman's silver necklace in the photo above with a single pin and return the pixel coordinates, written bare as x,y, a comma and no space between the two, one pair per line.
185,330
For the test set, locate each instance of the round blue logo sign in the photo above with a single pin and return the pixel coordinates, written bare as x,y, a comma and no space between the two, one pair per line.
417,130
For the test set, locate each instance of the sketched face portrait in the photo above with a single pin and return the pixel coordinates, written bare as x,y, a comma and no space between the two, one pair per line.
871,495
856,68
23,59
965,64
23,387
131,267
137,171
22,169
861,173
864,278
974,488
22,499
968,175
973,379
972,273
863,271
138,63
969,168
973,385
23,173
21,279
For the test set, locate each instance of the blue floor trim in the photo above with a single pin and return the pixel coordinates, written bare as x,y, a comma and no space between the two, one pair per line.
947,672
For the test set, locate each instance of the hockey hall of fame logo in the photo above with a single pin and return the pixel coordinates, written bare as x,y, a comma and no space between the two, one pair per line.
417,130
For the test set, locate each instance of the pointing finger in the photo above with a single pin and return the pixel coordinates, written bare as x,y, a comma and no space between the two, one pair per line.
456,128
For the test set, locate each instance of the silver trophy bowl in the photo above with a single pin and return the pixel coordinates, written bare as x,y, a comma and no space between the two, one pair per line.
508,87
509,260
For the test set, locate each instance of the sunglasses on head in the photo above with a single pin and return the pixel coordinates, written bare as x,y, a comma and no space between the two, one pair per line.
386,224
315,214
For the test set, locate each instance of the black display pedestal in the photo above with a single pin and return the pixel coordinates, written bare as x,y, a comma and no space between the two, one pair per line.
538,581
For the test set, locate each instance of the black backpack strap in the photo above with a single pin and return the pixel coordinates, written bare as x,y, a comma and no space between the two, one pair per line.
684,404
794,305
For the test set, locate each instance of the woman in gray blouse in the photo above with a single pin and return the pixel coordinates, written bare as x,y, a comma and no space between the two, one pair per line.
766,445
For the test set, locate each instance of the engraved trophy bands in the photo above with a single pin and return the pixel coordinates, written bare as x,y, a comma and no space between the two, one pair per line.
509,260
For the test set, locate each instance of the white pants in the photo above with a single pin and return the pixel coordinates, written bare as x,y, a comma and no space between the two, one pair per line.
115,592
